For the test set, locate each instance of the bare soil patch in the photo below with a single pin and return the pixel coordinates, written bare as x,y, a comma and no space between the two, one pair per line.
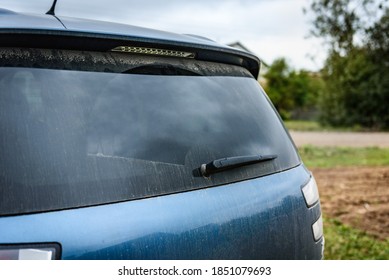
357,196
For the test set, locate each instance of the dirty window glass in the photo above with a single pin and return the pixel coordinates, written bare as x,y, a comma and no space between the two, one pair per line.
78,138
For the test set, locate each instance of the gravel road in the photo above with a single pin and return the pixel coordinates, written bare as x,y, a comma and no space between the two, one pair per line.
346,139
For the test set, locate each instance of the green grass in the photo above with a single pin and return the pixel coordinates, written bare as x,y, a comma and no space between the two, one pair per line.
303,125
316,126
346,243
344,156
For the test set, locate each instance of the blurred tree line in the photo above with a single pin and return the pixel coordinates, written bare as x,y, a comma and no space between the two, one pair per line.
293,93
352,89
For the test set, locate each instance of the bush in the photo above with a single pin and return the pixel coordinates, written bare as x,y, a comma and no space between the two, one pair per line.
356,91
293,93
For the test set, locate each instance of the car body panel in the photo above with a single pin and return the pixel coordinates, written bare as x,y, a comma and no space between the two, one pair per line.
13,21
264,218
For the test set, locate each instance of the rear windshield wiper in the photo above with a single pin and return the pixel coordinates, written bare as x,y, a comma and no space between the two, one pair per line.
223,164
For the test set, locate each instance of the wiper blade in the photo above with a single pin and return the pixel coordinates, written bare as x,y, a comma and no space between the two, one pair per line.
223,164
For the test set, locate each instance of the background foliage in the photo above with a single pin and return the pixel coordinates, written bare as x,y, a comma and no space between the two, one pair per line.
356,72
293,93
352,89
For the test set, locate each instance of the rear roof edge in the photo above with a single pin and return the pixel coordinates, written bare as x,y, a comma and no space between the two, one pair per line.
35,31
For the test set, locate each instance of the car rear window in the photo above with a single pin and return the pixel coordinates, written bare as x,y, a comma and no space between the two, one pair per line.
81,129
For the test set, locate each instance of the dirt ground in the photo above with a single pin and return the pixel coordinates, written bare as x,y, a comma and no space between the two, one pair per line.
357,196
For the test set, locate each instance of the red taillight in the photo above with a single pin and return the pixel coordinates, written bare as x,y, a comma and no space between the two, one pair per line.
46,251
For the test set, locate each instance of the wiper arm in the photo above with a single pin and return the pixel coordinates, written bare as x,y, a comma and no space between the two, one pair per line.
223,164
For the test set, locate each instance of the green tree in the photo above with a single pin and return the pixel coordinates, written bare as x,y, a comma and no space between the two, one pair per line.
290,90
356,72
276,87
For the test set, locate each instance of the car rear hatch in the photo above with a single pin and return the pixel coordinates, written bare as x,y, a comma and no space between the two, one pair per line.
103,151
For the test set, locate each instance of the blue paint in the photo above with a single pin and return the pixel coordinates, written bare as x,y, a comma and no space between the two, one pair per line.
264,218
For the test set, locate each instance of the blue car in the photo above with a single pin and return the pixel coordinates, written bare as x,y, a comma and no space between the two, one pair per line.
120,142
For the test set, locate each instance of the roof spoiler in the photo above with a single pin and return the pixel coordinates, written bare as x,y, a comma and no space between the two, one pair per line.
74,40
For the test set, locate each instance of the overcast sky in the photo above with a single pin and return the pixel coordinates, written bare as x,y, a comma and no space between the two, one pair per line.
269,28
